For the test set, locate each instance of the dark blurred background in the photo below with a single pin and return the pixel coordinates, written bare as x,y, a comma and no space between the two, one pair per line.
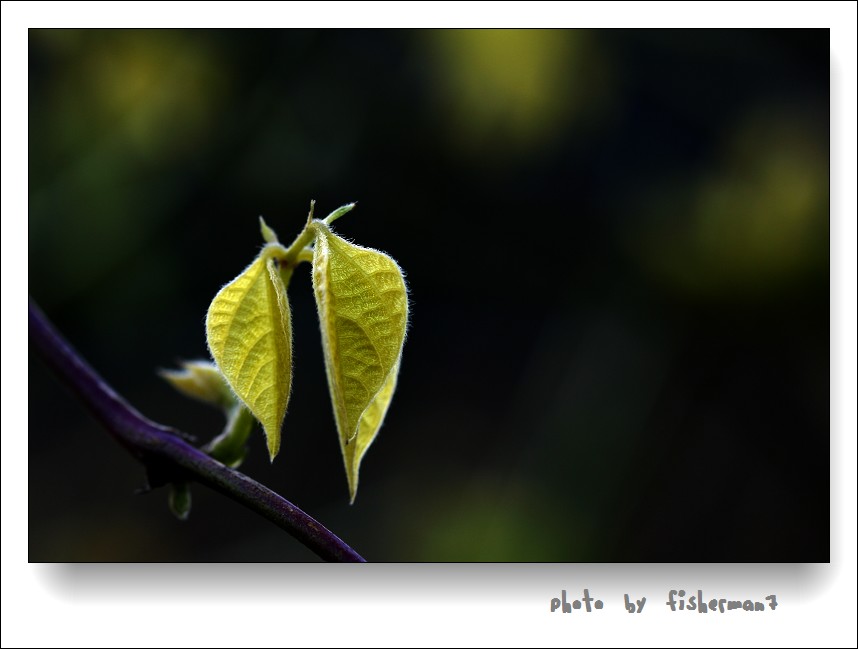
616,244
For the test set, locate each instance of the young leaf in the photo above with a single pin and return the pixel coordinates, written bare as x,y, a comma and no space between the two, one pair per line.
363,311
201,380
249,332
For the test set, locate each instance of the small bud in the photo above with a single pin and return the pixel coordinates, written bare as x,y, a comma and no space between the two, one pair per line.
180,500
201,380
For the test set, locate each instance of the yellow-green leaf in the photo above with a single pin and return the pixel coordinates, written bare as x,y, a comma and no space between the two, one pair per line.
363,311
200,380
249,332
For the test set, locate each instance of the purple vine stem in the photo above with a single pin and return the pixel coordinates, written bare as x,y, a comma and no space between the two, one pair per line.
163,449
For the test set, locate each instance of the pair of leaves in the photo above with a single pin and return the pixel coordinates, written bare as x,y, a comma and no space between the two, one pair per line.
363,310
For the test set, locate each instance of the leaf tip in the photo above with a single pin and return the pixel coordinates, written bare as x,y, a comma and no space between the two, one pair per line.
268,234
273,439
337,213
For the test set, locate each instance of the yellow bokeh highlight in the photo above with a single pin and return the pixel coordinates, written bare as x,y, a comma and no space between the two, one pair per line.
510,90
755,220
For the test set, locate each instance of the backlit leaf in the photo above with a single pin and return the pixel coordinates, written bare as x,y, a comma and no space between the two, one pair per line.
249,332
363,311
